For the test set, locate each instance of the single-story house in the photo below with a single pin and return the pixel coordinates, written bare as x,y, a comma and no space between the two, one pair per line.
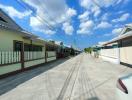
109,52
119,49
20,49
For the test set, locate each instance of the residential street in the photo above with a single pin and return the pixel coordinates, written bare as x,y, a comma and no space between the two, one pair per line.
78,78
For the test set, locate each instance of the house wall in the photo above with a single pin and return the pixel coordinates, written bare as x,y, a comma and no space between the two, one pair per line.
34,62
6,45
39,43
126,55
10,68
122,55
126,51
6,39
51,55
111,55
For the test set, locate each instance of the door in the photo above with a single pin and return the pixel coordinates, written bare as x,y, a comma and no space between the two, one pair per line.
18,46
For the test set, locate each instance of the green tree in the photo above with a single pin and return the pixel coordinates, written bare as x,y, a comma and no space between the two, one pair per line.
88,50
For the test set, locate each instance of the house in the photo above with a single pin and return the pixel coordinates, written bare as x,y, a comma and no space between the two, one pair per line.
124,41
62,50
19,49
110,52
119,49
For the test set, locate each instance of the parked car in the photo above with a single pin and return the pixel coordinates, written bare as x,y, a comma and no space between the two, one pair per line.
124,88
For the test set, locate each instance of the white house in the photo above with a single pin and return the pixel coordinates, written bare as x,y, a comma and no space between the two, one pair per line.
119,49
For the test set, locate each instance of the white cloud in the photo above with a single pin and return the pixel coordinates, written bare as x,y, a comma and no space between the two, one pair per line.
116,31
124,17
97,13
71,12
68,28
102,3
53,12
86,3
86,27
88,24
50,32
118,1
95,6
120,12
105,17
34,21
84,16
91,6
39,26
104,24
15,13
96,10
107,3
107,34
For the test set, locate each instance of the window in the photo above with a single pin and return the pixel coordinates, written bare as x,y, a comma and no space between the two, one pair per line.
17,46
127,42
27,47
1,19
36,48
115,46
50,48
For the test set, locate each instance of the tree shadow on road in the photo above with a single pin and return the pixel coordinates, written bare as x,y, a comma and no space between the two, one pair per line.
12,82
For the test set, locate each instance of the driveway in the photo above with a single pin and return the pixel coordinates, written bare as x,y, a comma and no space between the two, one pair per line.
79,78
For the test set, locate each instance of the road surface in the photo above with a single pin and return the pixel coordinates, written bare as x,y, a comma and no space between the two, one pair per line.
79,78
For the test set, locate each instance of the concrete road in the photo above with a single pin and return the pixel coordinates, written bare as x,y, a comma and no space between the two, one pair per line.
79,78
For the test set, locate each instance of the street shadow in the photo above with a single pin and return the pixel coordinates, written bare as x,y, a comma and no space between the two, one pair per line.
12,82
93,98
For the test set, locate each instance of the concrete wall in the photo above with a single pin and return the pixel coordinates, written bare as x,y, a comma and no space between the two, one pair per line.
111,55
15,67
51,55
34,62
9,68
126,51
126,55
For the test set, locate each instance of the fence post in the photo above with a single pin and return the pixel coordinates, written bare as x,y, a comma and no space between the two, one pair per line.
45,53
22,56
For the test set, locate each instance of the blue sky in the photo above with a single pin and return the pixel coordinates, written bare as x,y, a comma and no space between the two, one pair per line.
81,23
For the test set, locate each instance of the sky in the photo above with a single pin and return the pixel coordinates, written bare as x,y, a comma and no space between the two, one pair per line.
80,23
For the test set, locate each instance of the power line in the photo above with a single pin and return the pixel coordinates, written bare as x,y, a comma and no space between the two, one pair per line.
98,5
40,19
47,12
26,6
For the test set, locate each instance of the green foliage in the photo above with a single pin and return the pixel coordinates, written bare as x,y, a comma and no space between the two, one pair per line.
88,50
